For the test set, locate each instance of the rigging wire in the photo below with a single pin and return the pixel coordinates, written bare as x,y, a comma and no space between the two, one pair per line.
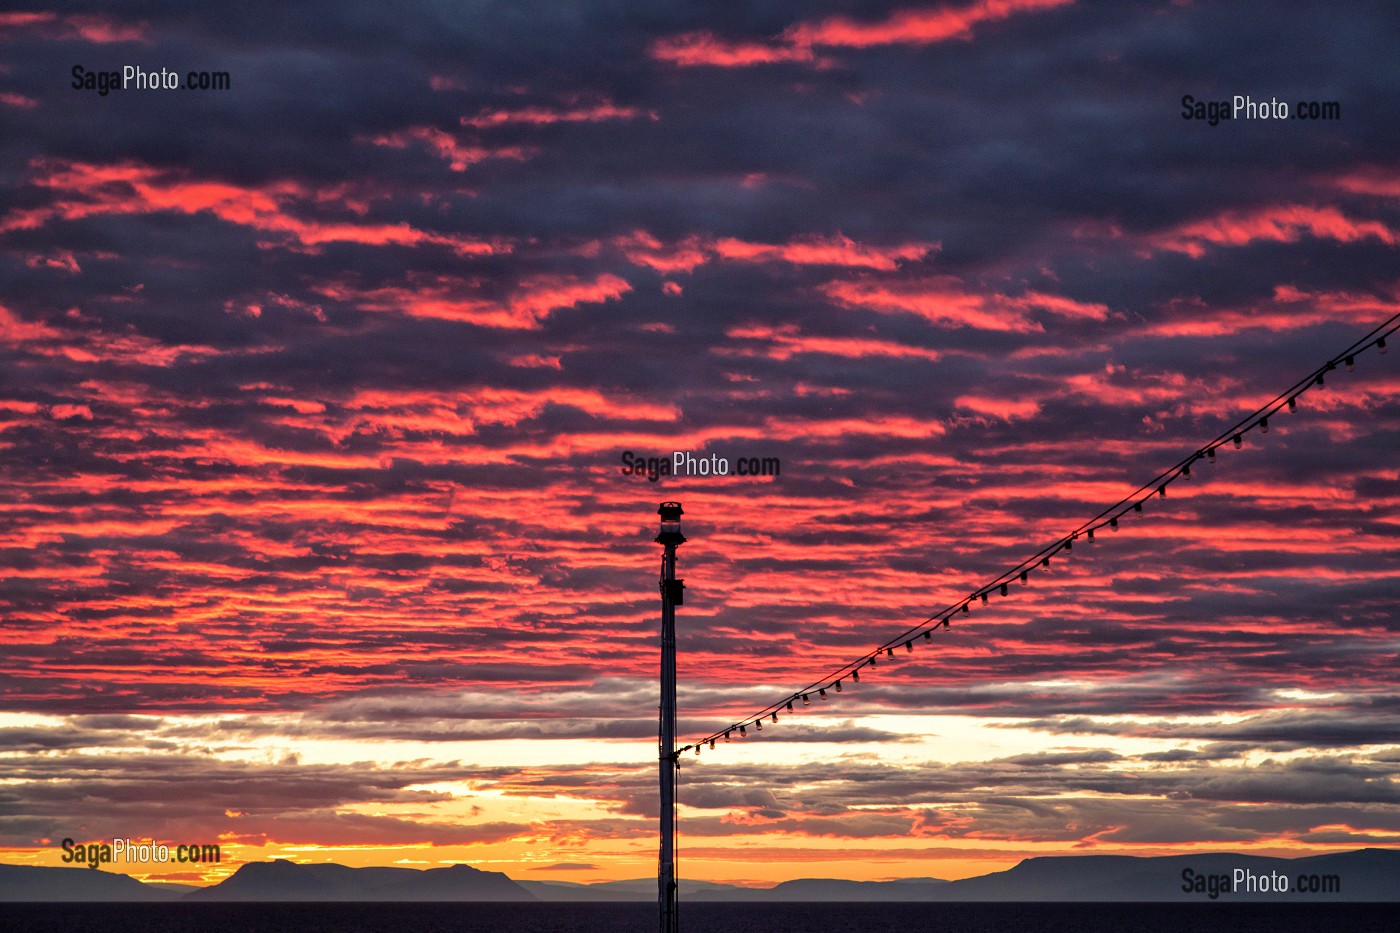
1041,560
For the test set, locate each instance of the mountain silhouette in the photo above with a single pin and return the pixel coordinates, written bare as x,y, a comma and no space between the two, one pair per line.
35,883
282,880
1360,875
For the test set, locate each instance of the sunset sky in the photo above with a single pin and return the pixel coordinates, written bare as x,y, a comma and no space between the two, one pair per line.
314,537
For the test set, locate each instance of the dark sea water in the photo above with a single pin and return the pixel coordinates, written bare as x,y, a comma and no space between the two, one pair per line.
697,918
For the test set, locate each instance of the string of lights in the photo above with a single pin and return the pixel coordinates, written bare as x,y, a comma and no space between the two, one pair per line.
1019,575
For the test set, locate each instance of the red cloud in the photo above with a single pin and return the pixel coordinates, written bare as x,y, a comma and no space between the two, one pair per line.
542,116
1006,408
1290,307
459,155
945,300
643,249
784,342
1372,179
1281,224
15,330
797,43
704,48
60,259
820,251
85,345
497,406
448,299
86,190
536,361
88,27
913,27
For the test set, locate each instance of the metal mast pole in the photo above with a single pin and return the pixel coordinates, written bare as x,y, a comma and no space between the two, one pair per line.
672,595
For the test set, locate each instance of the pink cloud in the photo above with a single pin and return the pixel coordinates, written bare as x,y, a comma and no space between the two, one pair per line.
459,155
1289,308
543,116
536,361
89,27
15,330
781,343
694,49
913,27
63,259
446,83
86,190
643,249
823,251
1006,408
798,42
448,299
64,412
1286,223
945,300
1376,180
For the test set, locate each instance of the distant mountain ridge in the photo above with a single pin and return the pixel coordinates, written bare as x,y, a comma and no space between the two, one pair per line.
282,880
1360,875
33,883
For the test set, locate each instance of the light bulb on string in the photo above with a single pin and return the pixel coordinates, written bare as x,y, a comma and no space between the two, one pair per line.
805,700
1264,425
775,715
855,675
822,693
1292,403
838,686
1351,363
1239,441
